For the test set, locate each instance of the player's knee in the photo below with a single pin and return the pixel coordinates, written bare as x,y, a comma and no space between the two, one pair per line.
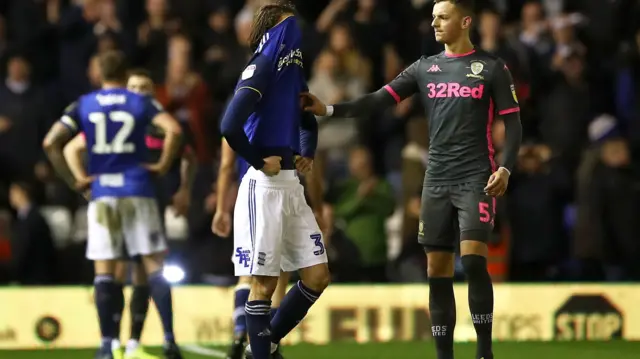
440,264
262,287
244,280
317,278
474,265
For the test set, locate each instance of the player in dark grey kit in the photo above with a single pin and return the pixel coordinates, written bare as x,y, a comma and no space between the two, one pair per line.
462,89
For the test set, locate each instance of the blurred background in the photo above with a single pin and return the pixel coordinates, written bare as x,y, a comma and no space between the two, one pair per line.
570,209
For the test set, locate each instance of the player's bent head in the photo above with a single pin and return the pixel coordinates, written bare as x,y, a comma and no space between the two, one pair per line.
451,18
113,66
140,81
267,17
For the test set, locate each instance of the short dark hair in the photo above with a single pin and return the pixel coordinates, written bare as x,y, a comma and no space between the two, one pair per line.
266,18
467,6
139,71
113,66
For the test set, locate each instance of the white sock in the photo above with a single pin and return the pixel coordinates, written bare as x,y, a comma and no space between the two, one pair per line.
132,345
115,344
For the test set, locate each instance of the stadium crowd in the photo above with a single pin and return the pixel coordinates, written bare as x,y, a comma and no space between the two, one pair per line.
570,209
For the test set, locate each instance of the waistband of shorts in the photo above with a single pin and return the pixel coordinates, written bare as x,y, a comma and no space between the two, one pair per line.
285,178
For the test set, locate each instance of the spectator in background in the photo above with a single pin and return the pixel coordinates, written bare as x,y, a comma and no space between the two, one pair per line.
185,95
534,29
350,59
612,206
334,84
388,139
414,157
108,29
537,197
75,27
24,120
565,112
153,37
224,58
363,203
33,252
93,73
566,42
372,33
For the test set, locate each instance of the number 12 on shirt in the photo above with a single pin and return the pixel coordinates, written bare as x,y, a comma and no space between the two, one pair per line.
118,144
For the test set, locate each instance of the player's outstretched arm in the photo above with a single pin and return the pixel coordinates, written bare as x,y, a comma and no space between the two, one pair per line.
73,152
53,144
362,106
221,224
403,86
172,141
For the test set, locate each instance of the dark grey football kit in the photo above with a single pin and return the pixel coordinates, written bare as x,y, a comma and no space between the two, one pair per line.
461,95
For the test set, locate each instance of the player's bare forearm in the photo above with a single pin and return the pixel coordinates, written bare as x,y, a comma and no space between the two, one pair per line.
53,145
365,105
513,139
73,154
313,180
170,149
225,177
223,187
188,171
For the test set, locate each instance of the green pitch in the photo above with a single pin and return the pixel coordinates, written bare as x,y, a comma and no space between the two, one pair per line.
529,350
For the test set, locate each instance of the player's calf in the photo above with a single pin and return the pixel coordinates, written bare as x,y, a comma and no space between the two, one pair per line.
161,294
106,296
299,299
442,304
474,263
279,293
139,307
240,298
258,310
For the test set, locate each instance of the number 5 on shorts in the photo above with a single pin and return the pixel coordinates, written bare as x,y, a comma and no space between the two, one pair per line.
483,208
317,238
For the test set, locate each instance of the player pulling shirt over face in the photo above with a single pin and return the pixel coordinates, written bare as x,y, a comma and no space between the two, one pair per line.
273,225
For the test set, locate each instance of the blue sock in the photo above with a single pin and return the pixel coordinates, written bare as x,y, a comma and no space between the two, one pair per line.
258,328
273,312
161,295
118,302
241,295
293,309
105,292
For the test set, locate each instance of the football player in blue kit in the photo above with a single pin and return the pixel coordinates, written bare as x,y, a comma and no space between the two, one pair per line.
122,209
274,227
230,164
179,178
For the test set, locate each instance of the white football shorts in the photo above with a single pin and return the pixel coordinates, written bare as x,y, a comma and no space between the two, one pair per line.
115,222
274,227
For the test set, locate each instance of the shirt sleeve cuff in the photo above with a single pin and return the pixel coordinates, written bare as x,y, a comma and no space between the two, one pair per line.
506,169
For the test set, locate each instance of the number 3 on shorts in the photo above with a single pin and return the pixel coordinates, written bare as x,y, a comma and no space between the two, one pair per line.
483,208
317,238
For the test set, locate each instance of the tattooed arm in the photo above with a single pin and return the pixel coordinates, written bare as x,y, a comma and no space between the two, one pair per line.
53,145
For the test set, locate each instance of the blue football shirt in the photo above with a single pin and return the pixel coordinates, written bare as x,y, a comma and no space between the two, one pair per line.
115,122
276,72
